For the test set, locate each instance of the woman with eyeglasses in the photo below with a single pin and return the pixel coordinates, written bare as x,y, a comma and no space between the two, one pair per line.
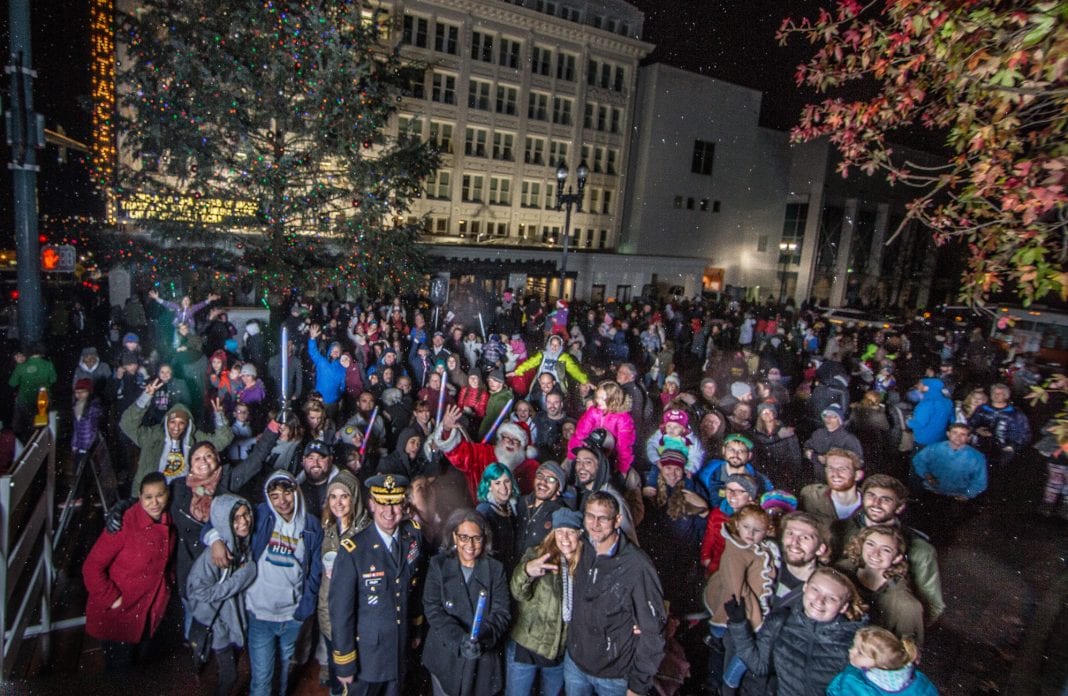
464,656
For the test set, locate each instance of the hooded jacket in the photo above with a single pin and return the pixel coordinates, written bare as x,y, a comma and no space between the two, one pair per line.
189,529
333,536
153,438
270,598
933,414
560,364
329,374
209,586
612,595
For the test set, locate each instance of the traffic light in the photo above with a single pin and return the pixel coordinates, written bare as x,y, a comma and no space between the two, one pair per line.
58,258
49,258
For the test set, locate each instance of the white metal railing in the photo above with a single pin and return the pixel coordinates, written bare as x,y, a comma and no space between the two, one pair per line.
26,569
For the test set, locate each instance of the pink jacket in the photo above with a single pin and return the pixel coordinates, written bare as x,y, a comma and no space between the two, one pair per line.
620,425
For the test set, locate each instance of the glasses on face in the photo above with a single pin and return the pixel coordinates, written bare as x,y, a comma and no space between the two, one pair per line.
510,439
474,539
545,477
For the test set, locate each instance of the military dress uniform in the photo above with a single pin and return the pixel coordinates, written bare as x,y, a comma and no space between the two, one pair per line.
375,597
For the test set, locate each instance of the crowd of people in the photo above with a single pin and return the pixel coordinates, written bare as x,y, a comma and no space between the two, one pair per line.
613,499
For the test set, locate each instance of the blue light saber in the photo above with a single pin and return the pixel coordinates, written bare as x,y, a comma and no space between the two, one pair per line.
480,609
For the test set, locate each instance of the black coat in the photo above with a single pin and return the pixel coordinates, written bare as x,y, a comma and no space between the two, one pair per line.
449,604
188,527
802,655
373,602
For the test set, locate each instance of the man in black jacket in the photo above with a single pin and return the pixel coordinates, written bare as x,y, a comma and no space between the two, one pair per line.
616,637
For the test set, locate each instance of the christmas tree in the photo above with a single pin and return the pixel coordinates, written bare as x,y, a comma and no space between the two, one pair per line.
254,140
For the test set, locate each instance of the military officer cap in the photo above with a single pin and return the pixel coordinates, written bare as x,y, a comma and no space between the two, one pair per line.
387,489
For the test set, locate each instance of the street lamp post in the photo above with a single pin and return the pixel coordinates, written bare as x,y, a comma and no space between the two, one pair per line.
566,201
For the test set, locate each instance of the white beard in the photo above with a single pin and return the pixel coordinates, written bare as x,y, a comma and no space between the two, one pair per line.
509,459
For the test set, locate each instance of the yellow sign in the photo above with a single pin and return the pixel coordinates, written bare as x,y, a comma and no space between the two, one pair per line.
204,211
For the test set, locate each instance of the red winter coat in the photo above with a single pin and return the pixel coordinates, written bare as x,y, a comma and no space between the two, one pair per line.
131,564
713,543
474,399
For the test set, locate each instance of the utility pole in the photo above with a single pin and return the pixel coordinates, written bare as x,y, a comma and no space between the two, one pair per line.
25,136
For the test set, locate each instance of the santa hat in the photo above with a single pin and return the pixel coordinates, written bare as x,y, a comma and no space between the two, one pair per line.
561,304
520,432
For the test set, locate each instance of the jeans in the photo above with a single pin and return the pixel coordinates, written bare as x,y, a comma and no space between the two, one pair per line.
270,643
520,676
578,683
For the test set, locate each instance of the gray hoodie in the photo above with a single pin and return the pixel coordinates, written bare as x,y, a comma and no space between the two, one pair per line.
280,575
208,585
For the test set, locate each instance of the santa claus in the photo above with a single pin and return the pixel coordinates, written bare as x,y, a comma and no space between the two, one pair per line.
511,448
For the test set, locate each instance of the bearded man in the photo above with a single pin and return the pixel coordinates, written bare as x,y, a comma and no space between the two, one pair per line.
471,458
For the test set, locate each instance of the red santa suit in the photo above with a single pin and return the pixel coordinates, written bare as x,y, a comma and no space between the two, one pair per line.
473,458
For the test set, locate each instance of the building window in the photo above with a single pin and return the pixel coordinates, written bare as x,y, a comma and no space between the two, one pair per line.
521,231
416,30
478,95
762,243
550,196
472,188
509,53
623,293
438,185
498,230
703,206
538,109
603,243
506,99
549,235
689,204
530,194
598,160
678,202
589,239
503,145
606,204
585,153
793,233
565,67
595,200
617,119
618,79
500,192
441,135
475,142
703,154
562,110
410,125
715,206
602,118
534,150
482,47
540,59
377,18
558,152
610,162
444,89
587,118
446,38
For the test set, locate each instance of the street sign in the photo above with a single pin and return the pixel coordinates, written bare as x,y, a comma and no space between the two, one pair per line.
58,258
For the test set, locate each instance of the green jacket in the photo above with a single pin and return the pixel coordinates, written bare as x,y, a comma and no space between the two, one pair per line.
493,409
151,438
923,566
30,376
539,622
